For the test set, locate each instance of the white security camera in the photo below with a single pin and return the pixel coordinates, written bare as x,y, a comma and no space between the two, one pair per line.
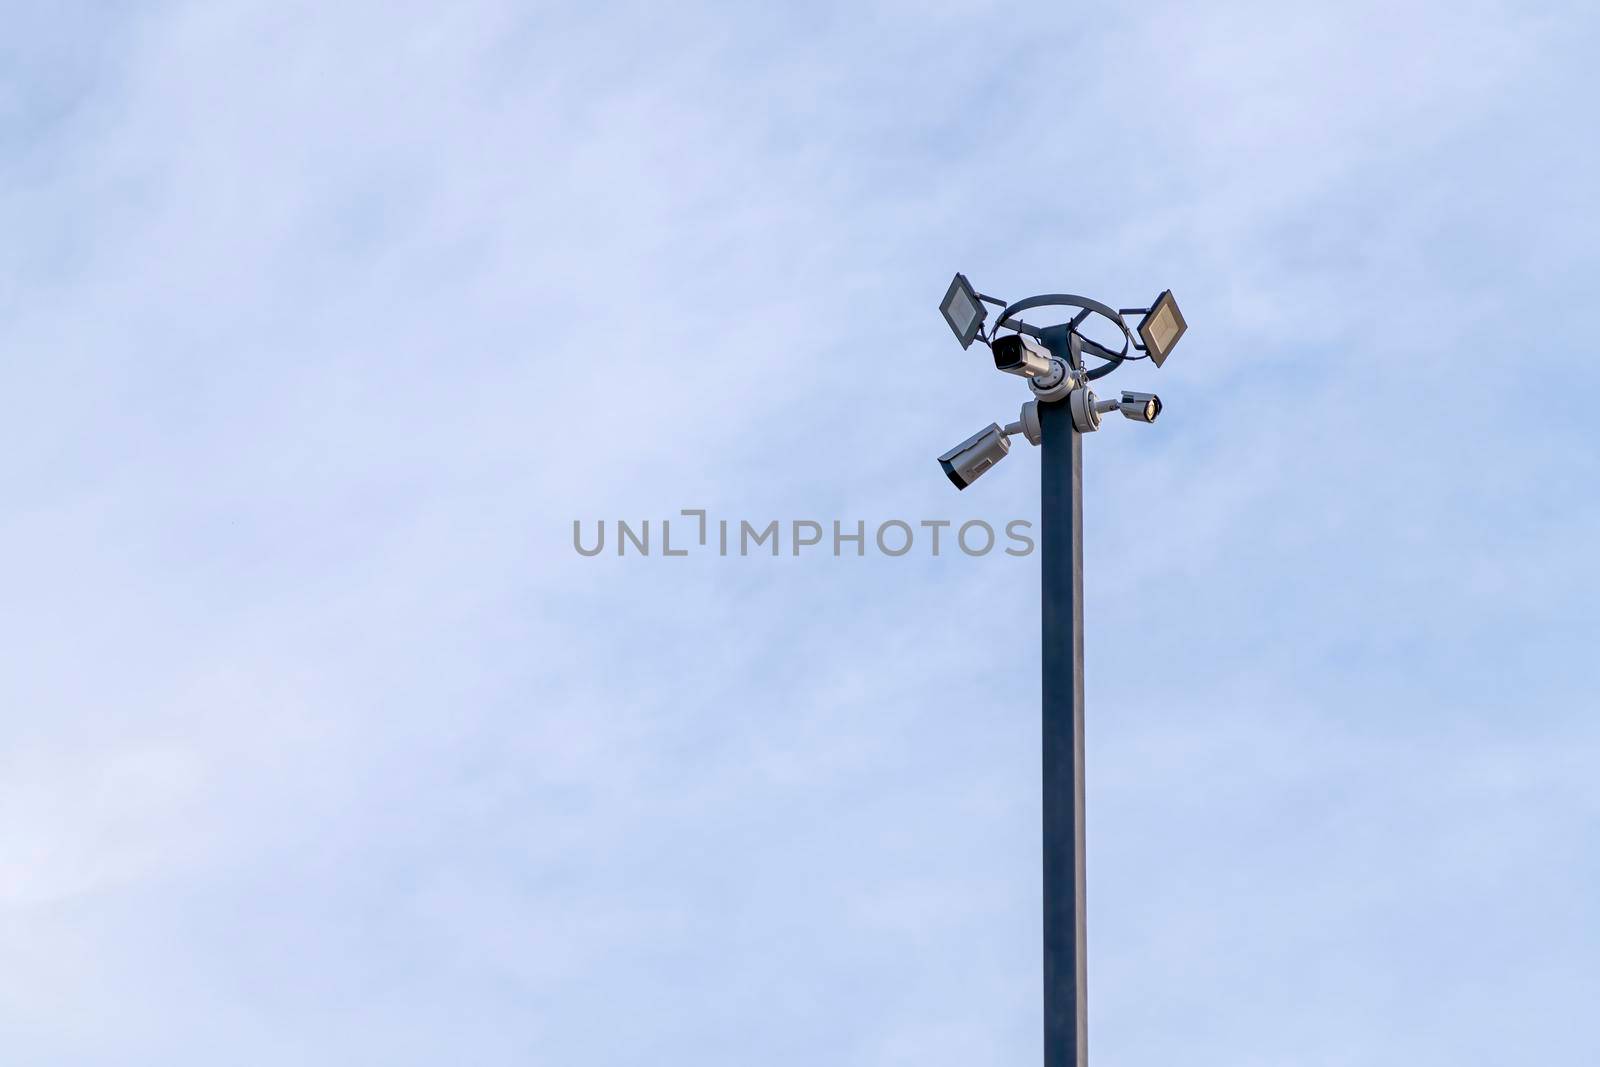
1087,409
1019,355
1140,407
966,462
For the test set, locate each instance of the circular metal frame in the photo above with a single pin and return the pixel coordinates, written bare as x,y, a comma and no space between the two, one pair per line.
1089,307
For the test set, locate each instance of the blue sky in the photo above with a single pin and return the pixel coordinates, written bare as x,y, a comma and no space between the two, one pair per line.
322,323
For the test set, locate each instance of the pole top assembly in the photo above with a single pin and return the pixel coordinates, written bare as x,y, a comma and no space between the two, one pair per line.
1051,358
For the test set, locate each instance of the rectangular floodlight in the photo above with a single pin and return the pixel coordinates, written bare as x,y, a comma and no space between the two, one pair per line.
1161,327
963,310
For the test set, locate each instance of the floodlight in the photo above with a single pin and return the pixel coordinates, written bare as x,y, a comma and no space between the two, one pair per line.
963,310
1161,327
964,463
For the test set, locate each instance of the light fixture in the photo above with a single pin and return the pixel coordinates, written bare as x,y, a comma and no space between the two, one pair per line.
1161,327
963,310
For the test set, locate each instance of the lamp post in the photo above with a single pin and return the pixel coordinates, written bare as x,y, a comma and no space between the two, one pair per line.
1063,411
1066,1001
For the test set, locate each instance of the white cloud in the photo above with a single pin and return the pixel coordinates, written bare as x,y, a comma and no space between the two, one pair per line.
322,745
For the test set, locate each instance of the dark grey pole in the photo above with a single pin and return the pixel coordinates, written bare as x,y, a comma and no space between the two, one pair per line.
1066,1039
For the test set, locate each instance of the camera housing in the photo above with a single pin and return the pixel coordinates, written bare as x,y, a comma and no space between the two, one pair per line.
1022,356
1140,407
966,463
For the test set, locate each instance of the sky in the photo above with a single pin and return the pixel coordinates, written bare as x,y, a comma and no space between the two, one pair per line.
321,325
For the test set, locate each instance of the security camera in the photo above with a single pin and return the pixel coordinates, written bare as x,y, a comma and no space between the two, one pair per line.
964,463
1140,407
1087,408
1016,354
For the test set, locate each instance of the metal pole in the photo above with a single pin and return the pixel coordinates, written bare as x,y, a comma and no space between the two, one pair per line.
1061,559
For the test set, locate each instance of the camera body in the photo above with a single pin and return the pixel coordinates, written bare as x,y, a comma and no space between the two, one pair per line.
966,462
1022,356
1140,407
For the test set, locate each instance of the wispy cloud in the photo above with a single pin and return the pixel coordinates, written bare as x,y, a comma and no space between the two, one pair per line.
322,324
